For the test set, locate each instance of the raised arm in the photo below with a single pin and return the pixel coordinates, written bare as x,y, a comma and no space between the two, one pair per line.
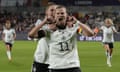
85,29
34,31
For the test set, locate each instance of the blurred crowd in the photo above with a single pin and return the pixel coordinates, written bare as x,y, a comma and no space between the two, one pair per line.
23,21
94,19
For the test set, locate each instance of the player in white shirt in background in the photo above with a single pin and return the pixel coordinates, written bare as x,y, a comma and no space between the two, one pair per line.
63,55
41,54
108,38
8,37
108,30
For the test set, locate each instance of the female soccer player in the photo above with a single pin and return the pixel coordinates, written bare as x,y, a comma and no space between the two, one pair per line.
108,39
8,36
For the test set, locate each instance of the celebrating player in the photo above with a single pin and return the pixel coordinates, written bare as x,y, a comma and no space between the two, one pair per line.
63,55
8,36
108,39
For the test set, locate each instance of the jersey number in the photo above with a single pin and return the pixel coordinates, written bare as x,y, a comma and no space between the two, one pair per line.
66,48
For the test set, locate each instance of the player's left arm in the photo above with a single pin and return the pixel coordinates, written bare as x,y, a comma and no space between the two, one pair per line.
14,34
114,30
87,31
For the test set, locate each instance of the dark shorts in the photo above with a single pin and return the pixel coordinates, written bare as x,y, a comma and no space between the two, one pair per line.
77,69
39,67
109,44
8,44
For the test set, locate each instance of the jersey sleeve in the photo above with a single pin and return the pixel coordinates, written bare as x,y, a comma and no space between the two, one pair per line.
45,27
13,30
77,26
38,22
114,29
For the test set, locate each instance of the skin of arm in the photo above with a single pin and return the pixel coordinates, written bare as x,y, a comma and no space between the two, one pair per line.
33,32
115,31
14,36
85,29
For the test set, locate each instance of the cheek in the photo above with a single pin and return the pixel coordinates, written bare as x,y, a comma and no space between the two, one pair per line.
66,15
49,13
9,26
55,16
53,12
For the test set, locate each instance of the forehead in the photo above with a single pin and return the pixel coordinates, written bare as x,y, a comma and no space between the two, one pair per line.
51,7
7,22
107,20
61,10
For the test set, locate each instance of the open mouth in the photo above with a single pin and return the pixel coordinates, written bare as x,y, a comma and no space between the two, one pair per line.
61,19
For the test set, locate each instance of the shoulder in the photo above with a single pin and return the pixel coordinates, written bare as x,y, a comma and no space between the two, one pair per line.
112,26
12,29
42,40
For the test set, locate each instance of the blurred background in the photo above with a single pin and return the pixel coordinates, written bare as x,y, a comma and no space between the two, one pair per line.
24,13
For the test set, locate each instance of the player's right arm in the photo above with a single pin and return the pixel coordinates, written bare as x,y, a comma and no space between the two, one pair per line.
86,31
34,31
114,30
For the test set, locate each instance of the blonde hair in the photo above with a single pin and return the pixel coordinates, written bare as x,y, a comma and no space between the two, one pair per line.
109,20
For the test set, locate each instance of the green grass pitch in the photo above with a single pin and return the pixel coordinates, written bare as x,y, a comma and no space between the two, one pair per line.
92,57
